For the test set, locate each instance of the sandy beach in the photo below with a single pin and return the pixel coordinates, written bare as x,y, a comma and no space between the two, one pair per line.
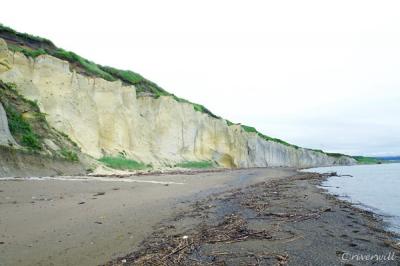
262,216
72,221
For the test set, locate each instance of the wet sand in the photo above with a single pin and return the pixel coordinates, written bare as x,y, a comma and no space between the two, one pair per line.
89,222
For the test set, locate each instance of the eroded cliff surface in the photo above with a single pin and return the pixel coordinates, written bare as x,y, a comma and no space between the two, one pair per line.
108,118
6,139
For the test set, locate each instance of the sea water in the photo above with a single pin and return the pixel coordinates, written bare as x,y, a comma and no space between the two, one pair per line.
372,187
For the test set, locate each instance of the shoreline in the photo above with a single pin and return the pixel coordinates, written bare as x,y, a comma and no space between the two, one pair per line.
357,191
366,210
379,218
258,216
245,229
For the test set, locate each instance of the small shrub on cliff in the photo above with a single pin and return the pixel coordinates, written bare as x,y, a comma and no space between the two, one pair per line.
21,129
229,123
33,53
122,163
249,129
69,155
27,52
337,155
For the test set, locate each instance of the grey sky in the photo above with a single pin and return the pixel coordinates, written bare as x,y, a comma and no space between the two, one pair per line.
319,74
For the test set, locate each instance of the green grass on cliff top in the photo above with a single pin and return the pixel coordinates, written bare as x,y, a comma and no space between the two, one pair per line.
367,160
33,46
265,137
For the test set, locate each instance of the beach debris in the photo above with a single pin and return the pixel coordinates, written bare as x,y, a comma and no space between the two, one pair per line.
97,222
123,260
392,244
330,174
99,194
165,249
82,202
339,252
282,259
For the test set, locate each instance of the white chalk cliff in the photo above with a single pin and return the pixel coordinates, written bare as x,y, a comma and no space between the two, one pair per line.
6,139
106,118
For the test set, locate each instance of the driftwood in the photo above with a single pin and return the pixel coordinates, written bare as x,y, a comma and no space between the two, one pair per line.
330,174
177,249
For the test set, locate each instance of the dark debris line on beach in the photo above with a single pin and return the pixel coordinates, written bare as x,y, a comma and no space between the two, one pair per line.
257,225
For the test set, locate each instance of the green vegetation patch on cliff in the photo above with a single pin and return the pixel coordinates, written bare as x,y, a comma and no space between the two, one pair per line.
366,160
197,107
265,137
69,155
19,111
29,126
196,164
21,129
86,65
335,154
12,35
122,163
27,51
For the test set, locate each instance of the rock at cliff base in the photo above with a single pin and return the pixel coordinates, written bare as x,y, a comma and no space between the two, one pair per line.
6,139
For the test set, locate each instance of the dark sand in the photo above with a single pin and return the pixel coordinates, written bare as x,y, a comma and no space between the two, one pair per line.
82,222
286,221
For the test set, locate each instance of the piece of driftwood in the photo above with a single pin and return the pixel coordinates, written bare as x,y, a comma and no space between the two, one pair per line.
330,174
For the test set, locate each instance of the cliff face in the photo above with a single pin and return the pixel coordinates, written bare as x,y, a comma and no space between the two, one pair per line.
6,139
106,118
43,150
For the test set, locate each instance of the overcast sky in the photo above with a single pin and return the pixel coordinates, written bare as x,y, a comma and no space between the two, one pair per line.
319,74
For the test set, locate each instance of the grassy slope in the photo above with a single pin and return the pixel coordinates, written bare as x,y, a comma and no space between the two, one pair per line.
367,160
30,128
34,46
